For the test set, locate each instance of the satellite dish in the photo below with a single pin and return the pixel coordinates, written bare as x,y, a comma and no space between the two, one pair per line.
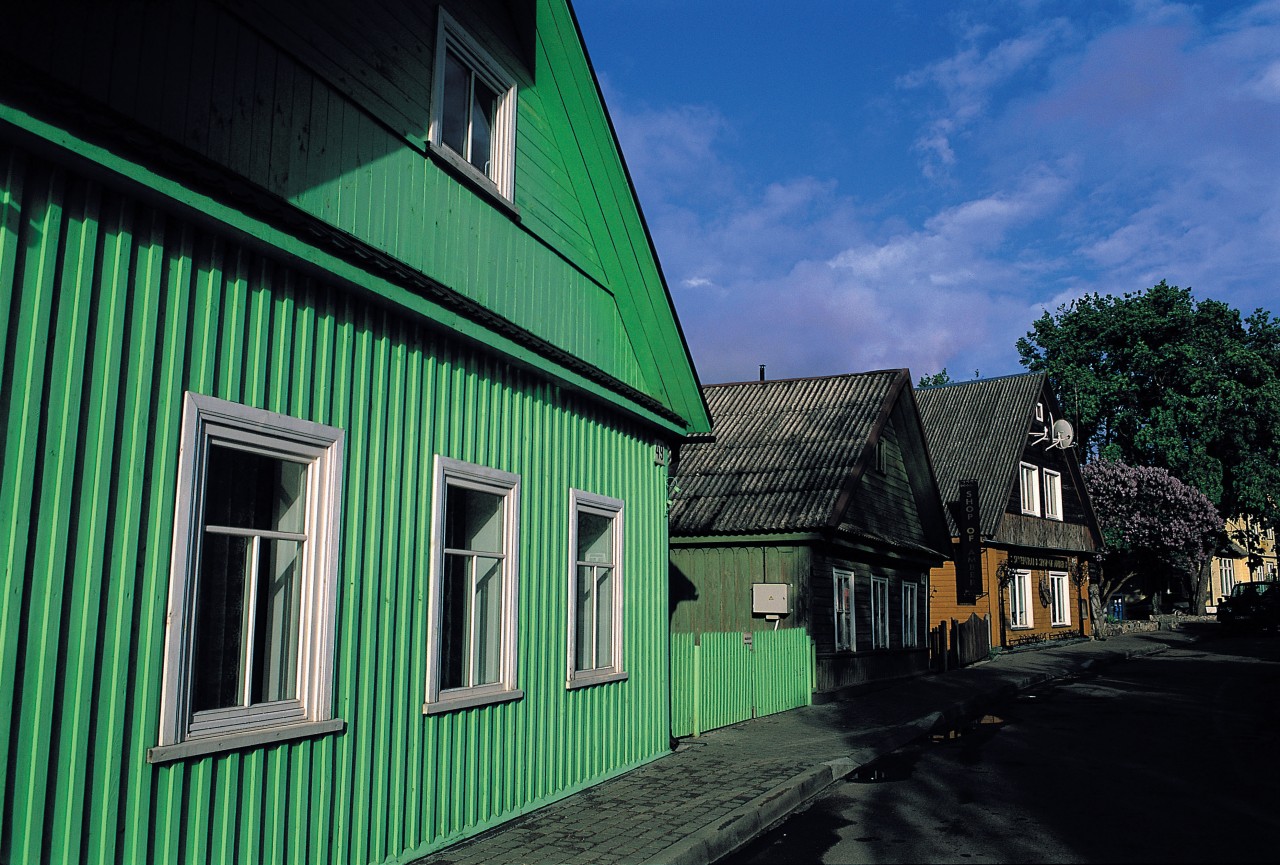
1063,435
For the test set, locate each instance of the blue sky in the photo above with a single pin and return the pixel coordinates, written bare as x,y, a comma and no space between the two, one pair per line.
845,186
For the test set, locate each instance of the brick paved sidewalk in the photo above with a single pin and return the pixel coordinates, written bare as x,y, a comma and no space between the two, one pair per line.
715,793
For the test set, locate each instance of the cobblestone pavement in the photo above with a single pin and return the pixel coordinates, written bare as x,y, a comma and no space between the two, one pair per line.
717,792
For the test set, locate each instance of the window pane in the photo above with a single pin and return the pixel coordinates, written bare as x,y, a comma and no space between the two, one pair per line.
488,635
604,617
219,616
279,595
457,95
595,540
455,622
253,491
585,614
483,106
473,520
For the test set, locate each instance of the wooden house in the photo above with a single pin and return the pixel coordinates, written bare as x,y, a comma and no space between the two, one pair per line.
822,486
338,378
1017,509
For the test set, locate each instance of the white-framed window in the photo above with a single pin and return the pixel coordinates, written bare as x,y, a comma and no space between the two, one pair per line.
1060,604
1030,477
473,108
471,615
248,655
595,589
846,635
910,615
1020,600
1226,577
1039,411
1052,494
879,613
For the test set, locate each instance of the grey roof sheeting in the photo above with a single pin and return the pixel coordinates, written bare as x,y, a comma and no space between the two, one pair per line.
783,451
977,430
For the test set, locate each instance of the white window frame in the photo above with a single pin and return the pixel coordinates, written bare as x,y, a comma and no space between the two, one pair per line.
1029,477
611,509
910,615
879,613
1021,615
183,732
1226,576
453,39
451,473
1060,603
846,627
1052,494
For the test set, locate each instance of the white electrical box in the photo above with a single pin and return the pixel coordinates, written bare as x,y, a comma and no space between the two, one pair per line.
770,599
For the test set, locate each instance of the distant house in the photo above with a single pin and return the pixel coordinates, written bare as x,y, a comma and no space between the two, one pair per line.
1033,529
338,379
1231,564
822,486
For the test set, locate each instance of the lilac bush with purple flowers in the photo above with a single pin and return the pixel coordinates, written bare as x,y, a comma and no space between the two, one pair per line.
1155,528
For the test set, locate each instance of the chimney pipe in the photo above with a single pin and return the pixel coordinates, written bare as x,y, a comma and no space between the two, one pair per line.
762,372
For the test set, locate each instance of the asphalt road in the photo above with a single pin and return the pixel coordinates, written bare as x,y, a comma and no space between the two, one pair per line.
1170,758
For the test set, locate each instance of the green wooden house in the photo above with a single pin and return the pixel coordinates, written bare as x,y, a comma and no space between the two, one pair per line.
823,488
338,379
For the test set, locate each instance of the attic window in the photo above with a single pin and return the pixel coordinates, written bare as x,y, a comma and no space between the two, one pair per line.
473,109
1039,411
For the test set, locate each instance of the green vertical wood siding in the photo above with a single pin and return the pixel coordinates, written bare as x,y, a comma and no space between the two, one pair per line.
719,679
109,310
721,576
327,106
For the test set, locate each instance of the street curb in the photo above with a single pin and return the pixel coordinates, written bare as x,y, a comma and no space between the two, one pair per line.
748,822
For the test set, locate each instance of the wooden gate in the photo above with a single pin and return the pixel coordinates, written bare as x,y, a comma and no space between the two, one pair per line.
961,643
718,679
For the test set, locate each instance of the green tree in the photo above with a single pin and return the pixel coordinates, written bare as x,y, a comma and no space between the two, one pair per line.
1157,378
938,378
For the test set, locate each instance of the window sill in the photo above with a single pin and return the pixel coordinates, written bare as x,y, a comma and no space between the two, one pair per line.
472,177
201,746
469,700
586,680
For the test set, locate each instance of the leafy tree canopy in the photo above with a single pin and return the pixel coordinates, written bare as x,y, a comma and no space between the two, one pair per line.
1158,378
1153,526
938,378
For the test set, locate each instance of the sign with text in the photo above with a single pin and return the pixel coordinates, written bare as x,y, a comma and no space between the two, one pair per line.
969,550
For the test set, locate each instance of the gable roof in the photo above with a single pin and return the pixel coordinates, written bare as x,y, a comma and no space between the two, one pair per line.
787,456
977,430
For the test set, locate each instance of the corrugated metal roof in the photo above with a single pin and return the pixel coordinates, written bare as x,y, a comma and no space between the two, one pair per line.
782,452
977,430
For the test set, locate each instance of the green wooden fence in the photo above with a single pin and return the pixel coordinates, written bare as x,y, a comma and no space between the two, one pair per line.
718,679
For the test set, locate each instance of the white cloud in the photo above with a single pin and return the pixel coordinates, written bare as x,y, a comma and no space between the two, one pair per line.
1100,161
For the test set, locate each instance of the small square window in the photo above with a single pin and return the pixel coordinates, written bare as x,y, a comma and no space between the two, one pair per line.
1030,476
473,108
595,589
248,646
472,596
